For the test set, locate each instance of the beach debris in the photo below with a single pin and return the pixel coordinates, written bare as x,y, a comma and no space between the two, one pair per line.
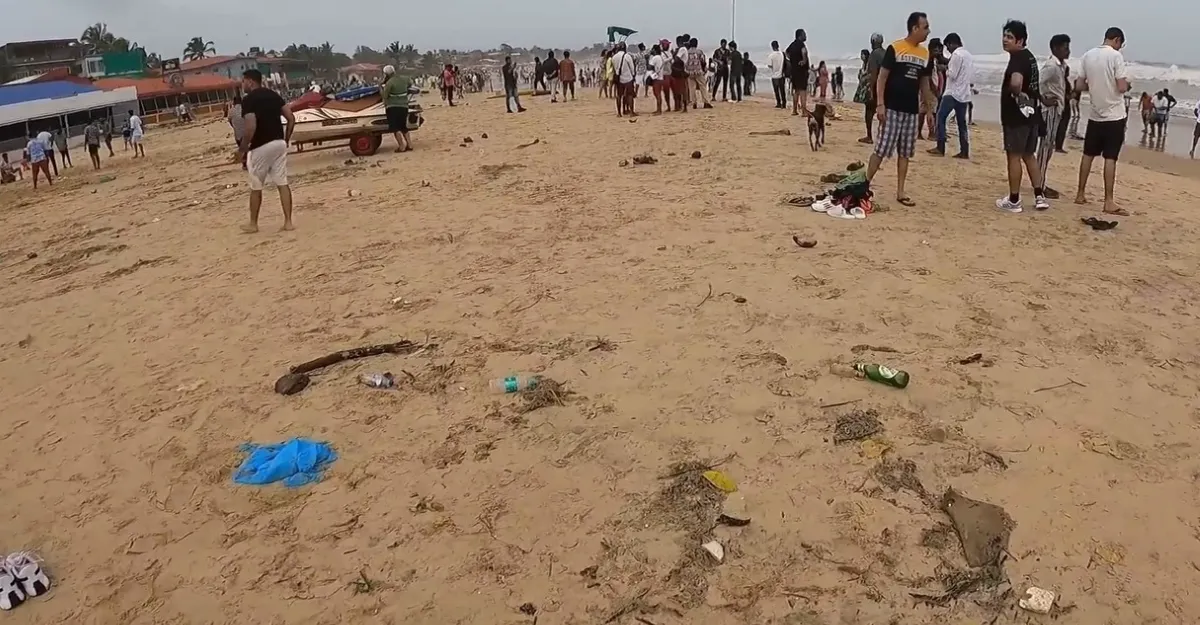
804,243
468,140
799,200
31,255
528,608
462,145
426,183
1037,600
670,154
547,392
104,179
858,349
525,145
644,159
514,383
25,342
874,448
348,161
295,462
623,163
290,384
696,154
972,359
353,193
983,528
734,511
738,299
364,585
483,136
723,482
771,133
633,121
856,425
378,380
1099,224
231,185
93,190
897,378
715,549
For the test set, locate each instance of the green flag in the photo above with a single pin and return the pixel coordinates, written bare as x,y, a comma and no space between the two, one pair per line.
613,31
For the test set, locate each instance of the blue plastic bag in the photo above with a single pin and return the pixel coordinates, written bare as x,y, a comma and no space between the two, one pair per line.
295,462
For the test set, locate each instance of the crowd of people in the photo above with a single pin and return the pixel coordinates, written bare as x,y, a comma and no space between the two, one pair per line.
46,148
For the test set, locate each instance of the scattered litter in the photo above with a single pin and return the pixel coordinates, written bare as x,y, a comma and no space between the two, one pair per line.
231,185
874,448
858,349
25,342
1099,224
713,547
633,121
548,392
378,380
723,482
1037,600
734,511
670,154
462,145
528,608
983,528
804,243
31,255
856,425
623,163
483,136
739,299
348,161
525,145
468,140
771,133
884,375
295,462
292,383
515,383
644,159
696,154
353,193
973,358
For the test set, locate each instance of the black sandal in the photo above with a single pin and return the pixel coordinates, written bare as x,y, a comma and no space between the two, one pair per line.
906,201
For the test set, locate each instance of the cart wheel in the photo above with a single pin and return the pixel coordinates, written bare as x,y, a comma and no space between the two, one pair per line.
365,144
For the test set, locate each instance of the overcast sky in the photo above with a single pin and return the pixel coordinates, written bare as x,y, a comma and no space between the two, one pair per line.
1158,30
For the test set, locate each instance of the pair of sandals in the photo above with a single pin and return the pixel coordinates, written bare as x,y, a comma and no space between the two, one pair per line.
21,578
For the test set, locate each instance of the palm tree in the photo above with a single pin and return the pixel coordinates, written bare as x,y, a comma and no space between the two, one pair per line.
96,38
153,61
393,51
197,48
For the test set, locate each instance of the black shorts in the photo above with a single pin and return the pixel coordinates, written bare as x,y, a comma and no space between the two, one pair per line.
1021,139
800,80
93,149
1104,139
397,118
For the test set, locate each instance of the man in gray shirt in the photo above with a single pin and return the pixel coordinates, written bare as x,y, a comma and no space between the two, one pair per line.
874,62
1053,86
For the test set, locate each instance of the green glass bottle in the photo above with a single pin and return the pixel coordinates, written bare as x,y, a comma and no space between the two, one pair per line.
884,375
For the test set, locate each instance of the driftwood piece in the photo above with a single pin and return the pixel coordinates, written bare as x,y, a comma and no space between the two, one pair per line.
401,347
297,379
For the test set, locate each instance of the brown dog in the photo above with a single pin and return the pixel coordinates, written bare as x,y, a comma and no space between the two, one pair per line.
816,125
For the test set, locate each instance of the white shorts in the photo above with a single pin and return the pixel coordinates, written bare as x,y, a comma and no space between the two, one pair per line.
137,138
267,164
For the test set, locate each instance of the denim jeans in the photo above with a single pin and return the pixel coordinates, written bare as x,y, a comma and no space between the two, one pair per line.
959,109
511,99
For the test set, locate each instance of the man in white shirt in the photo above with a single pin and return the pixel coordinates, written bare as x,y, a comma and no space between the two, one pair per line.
775,63
1053,87
625,75
47,140
960,73
1106,80
135,135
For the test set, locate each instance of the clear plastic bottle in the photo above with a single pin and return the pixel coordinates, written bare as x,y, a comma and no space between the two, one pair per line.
515,383
378,380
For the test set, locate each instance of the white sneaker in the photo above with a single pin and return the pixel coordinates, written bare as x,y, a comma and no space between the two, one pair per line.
27,569
858,213
822,205
11,594
1009,206
1041,203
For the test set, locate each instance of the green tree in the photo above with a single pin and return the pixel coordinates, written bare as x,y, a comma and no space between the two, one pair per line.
197,48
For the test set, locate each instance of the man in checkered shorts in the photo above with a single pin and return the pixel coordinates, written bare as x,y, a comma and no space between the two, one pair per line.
903,77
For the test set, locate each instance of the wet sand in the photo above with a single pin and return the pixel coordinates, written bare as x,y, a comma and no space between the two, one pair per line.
141,344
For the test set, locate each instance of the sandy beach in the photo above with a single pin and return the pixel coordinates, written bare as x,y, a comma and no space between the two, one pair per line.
142,342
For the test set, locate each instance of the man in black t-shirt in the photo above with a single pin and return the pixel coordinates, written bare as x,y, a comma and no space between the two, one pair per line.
797,61
1021,118
720,58
903,77
265,145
